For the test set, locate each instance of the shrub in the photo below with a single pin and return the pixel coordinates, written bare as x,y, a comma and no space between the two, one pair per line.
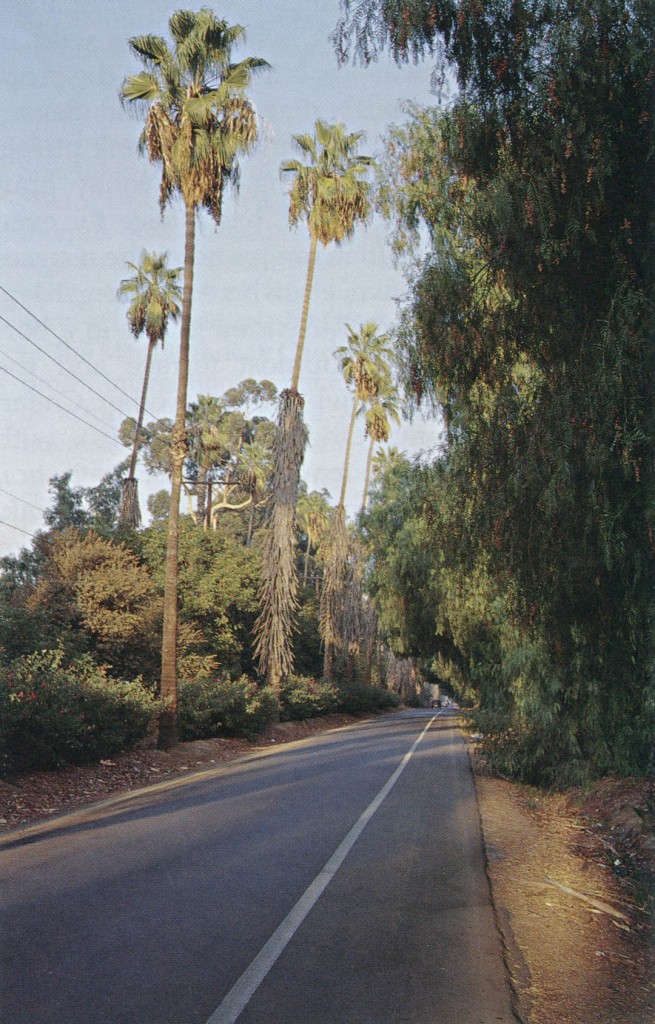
55,714
305,697
215,707
357,700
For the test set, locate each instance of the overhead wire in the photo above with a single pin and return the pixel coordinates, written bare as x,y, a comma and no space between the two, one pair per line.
62,407
24,501
47,398
88,362
72,349
61,366
19,528
57,391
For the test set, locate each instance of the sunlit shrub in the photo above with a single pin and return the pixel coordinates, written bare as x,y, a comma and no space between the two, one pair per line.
55,713
223,707
304,697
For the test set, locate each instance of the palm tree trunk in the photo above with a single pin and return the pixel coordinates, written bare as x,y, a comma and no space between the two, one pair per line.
346,464
201,496
328,661
142,406
251,521
306,572
295,377
279,584
367,478
168,735
208,512
129,512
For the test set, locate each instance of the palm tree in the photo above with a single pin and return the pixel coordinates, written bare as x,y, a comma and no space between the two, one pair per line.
313,518
364,363
198,121
253,470
378,428
331,192
206,448
155,296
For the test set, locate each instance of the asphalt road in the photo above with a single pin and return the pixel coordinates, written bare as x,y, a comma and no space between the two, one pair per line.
335,880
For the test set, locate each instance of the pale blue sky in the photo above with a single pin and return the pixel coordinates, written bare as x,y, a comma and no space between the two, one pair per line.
77,202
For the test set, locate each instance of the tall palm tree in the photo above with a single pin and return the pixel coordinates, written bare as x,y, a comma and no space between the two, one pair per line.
198,121
313,518
155,296
206,449
364,363
379,415
331,192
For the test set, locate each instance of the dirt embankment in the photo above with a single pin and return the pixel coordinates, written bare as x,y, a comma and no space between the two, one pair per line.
573,879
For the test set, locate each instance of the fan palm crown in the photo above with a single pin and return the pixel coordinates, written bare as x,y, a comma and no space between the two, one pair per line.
197,117
379,416
331,191
155,298
364,362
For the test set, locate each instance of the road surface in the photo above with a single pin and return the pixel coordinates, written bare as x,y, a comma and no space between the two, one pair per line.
336,880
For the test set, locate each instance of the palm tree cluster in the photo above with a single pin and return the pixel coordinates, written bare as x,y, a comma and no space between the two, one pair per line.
198,123
365,363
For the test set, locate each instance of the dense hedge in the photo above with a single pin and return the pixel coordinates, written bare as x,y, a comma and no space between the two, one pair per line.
304,697
214,707
53,714
361,700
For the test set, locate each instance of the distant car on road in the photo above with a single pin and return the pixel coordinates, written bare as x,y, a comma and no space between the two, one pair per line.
435,703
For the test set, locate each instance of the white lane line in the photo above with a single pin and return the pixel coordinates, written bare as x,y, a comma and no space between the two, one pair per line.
243,990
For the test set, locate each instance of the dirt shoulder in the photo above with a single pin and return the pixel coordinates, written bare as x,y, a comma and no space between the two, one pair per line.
573,879
573,882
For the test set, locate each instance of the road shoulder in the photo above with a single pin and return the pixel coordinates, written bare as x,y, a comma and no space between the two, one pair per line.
578,948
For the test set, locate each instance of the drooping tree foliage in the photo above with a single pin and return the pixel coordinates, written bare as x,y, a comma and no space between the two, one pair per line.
530,323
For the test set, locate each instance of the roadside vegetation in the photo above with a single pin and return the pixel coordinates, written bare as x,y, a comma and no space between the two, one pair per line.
515,568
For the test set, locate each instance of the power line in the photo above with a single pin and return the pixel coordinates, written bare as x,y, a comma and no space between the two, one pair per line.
61,366
63,408
56,390
70,372
73,350
15,496
19,528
